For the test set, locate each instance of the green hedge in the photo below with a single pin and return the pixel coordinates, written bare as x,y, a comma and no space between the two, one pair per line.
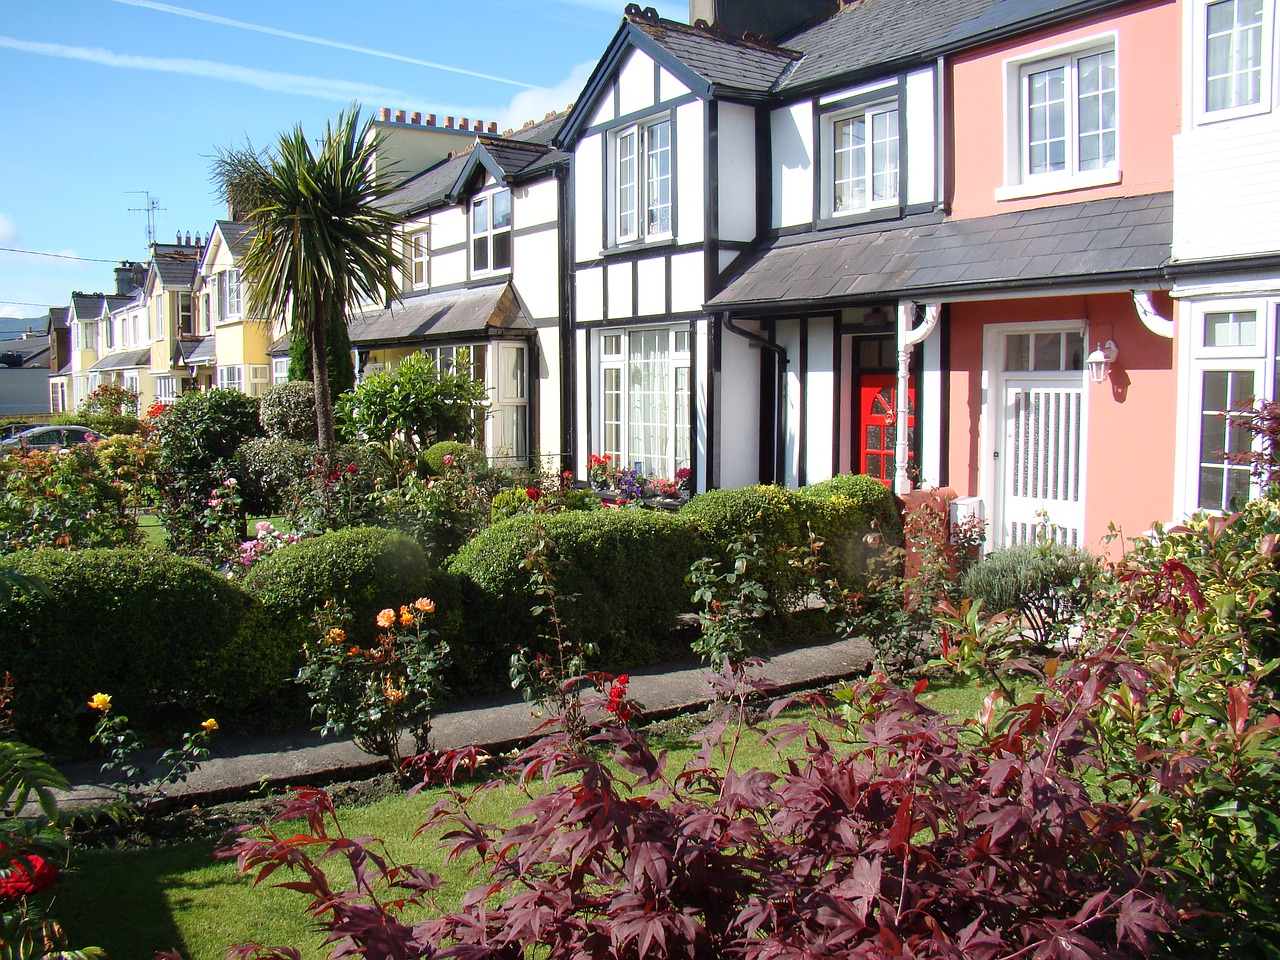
160,634
783,518
465,455
365,568
627,568
878,504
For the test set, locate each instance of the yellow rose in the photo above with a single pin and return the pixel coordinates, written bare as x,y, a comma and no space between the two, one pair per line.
336,635
425,605
210,725
387,617
406,616
100,701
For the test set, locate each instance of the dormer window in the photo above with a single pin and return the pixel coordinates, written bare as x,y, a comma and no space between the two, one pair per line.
642,181
491,232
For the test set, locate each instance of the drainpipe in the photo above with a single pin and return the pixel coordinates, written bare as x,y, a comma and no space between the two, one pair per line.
780,395
1160,326
907,340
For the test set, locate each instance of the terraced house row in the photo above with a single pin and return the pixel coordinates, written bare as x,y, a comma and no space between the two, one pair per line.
1021,248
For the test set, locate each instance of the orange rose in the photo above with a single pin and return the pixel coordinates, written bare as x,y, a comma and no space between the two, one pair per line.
386,618
425,605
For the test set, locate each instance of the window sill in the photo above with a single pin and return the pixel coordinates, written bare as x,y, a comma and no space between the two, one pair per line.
871,215
1045,185
1206,118
633,245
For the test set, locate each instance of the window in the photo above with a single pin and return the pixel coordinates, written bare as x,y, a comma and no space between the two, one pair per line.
279,369
184,314
109,326
642,182
259,379
1044,351
228,294
415,247
644,398
1235,52
509,437
166,389
864,159
1065,134
491,232
161,332
231,378
1233,358
447,358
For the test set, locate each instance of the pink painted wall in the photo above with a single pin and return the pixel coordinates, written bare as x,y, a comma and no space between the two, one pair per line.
1131,416
1149,85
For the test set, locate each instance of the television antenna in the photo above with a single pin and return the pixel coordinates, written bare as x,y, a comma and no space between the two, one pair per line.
150,207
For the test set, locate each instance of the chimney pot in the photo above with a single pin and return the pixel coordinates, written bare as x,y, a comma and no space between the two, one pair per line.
464,124
188,238
493,126
415,117
431,119
448,122
384,113
178,239
399,116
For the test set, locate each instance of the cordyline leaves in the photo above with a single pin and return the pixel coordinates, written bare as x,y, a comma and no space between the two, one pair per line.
914,836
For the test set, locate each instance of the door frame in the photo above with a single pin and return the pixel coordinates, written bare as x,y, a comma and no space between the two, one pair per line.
992,428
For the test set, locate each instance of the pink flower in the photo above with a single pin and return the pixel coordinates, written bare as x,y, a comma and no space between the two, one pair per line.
262,526
447,459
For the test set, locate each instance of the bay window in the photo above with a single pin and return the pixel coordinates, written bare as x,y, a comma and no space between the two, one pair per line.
642,181
644,398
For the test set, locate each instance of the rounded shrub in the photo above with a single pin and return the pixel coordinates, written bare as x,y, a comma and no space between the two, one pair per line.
268,469
464,456
625,568
288,411
1048,585
877,503
160,634
365,569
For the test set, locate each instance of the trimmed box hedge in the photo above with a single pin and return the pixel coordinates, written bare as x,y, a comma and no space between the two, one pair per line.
627,569
160,634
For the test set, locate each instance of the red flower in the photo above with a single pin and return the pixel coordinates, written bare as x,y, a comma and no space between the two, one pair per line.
616,703
351,468
533,493
27,874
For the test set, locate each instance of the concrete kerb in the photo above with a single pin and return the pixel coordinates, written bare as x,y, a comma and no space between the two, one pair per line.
243,767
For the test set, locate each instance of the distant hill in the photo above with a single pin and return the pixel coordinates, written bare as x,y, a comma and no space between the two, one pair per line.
11,327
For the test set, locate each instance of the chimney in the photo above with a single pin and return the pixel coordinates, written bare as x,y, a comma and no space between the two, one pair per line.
431,119
124,278
415,118
399,116
188,240
384,114
767,18
493,126
464,124
178,238
448,123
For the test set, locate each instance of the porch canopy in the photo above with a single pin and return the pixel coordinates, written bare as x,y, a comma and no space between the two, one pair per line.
1122,243
124,361
489,311
195,352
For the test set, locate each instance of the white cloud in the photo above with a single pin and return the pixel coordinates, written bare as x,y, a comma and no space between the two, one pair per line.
308,38
8,232
536,104
340,90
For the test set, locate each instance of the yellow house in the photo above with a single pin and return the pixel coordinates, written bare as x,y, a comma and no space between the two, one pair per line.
240,342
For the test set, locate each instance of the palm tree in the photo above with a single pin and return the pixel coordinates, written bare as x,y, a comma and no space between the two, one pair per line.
323,240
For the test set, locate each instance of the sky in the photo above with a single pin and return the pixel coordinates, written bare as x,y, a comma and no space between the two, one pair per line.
110,105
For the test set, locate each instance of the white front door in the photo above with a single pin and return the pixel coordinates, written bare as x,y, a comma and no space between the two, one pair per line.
1040,470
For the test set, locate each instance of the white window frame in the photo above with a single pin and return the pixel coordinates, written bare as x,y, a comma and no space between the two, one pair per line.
1019,180
229,294
416,259
279,370
634,191
1199,61
186,314
486,237
615,370
510,400
231,377
161,332
1257,359
831,148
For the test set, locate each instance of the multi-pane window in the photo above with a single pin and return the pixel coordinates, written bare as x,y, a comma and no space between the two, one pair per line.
448,359
1062,351
185,318
228,294
231,378
1068,121
416,259
864,160
491,232
1223,392
642,173
510,411
644,398
1234,54
280,369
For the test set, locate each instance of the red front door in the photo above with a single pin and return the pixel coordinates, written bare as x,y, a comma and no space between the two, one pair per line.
878,417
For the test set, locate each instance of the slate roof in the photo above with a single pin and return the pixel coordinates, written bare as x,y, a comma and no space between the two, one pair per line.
438,315
127,359
194,351
33,351
523,153
237,234
90,306
176,270
720,60
1095,242
58,318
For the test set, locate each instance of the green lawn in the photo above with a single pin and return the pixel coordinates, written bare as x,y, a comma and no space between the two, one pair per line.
133,903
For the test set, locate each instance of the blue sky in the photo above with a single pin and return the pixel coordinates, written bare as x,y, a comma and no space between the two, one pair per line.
107,97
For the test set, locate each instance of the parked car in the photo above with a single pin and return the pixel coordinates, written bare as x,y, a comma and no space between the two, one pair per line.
13,428
48,438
